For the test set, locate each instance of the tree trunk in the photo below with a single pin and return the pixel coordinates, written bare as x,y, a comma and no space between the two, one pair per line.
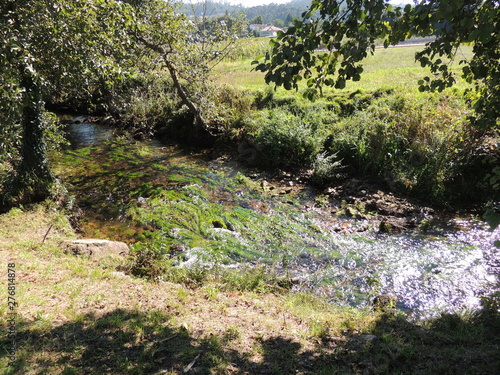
35,178
184,96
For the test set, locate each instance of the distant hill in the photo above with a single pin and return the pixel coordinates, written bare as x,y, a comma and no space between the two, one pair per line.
277,14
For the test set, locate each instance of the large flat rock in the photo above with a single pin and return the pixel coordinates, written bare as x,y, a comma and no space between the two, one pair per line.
94,248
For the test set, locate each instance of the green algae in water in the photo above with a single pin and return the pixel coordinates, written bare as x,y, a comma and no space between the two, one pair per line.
159,167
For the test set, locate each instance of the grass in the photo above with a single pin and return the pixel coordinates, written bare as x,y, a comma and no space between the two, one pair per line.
77,316
392,67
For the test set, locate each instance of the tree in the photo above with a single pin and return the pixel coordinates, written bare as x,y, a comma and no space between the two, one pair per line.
258,20
48,47
347,31
188,50
278,22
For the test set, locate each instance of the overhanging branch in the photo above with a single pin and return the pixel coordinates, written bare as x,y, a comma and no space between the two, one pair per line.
174,74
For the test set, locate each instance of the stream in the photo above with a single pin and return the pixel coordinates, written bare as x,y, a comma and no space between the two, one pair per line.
208,211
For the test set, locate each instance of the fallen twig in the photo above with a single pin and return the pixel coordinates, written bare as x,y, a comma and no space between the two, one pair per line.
47,233
188,367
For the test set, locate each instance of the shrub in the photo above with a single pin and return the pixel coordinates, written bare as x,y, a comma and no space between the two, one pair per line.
264,98
326,169
288,140
230,107
234,101
144,103
148,260
289,134
422,147
347,105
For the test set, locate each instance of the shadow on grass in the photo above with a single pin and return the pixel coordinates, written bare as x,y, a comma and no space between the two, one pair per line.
131,342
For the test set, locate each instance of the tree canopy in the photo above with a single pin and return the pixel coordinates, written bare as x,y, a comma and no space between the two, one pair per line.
56,50
327,46
267,13
187,49
48,48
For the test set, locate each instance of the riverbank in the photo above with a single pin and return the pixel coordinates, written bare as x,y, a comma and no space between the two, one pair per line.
77,316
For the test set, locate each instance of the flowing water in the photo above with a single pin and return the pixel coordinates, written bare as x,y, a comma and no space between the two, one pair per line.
219,216
81,133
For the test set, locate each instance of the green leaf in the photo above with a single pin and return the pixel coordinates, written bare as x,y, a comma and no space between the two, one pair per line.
340,83
493,218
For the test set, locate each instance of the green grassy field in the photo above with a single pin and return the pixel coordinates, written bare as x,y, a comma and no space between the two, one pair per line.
392,67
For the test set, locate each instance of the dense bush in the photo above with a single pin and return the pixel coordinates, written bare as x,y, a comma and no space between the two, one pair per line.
285,132
143,103
346,104
327,168
422,146
288,140
148,104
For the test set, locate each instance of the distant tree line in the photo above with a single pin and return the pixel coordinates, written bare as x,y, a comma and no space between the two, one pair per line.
280,15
